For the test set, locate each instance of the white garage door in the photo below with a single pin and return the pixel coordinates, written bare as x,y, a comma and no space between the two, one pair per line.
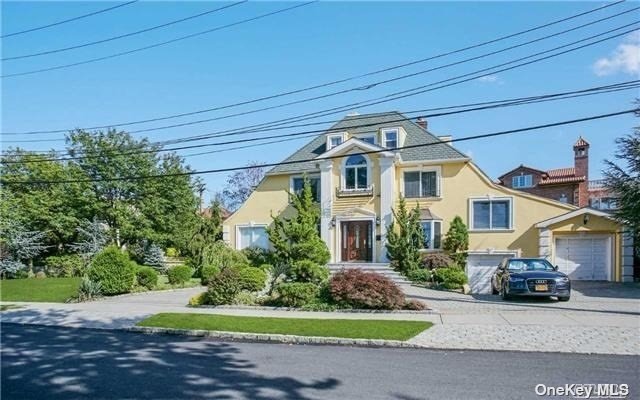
584,257
480,267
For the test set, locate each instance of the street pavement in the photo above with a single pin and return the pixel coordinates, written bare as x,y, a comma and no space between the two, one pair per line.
65,363
602,318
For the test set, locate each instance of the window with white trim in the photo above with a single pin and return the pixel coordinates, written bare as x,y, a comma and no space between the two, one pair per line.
390,138
334,141
253,236
297,184
432,233
522,181
356,170
421,184
491,214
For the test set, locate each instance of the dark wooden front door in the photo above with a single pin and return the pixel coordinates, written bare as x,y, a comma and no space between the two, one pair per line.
357,241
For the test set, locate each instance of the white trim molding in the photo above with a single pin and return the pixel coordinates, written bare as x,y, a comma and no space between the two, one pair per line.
581,211
251,224
326,200
491,198
423,168
387,196
341,135
353,142
343,173
383,136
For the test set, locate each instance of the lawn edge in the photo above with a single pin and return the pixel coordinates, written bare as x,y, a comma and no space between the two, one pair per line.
275,338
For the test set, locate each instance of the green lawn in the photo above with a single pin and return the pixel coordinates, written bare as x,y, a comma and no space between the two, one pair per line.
55,290
343,328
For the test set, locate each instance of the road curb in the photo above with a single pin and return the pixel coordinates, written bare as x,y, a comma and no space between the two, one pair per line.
276,338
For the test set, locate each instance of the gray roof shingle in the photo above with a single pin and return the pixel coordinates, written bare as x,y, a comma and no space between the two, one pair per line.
374,122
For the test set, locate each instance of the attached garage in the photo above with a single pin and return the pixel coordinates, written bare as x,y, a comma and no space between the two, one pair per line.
480,267
584,257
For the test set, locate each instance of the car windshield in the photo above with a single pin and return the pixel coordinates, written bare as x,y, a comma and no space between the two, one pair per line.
530,265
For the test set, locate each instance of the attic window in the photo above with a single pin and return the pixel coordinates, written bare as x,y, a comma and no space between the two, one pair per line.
390,138
334,141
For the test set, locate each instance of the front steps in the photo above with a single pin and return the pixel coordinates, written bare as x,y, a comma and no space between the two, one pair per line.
379,268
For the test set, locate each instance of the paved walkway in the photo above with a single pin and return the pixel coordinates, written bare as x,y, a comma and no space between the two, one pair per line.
598,319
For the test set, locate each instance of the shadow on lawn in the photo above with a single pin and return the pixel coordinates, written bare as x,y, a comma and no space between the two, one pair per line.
65,363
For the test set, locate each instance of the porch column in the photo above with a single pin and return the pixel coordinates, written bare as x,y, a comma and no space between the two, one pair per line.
387,183
326,203
544,243
627,256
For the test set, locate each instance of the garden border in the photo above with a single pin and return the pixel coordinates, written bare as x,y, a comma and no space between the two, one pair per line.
339,310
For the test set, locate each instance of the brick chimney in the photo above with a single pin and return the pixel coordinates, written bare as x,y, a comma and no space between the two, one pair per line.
581,164
422,122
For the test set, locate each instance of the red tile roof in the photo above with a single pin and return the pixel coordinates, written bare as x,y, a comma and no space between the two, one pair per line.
561,176
581,142
561,172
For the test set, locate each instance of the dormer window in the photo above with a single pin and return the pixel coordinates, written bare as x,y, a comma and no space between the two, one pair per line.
522,181
334,141
369,139
390,138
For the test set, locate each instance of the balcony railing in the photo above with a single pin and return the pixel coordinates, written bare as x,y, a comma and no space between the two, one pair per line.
368,191
597,184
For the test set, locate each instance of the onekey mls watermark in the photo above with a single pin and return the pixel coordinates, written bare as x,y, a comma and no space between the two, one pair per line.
585,390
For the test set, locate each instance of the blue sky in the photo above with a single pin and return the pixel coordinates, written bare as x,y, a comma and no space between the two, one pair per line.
314,44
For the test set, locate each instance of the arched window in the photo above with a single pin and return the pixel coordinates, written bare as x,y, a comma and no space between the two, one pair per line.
355,171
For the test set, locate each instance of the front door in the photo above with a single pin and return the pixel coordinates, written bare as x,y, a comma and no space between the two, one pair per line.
357,241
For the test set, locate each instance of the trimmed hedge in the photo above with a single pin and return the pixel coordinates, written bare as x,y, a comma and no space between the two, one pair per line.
147,277
208,272
308,271
419,275
224,287
65,266
297,294
358,289
450,278
113,270
180,274
252,279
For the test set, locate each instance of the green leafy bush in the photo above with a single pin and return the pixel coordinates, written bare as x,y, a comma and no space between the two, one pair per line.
198,300
450,278
245,298
179,275
308,271
252,279
419,275
65,266
223,256
40,275
297,294
208,272
266,267
224,287
147,277
358,289
414,305
257,256
88,290
436,260
113,270
172,252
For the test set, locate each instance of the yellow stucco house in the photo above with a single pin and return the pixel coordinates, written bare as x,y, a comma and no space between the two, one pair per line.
356,193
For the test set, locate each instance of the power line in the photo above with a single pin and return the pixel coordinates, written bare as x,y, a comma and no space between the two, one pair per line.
429,58
68,20
160,43
202,14
514,102
3,180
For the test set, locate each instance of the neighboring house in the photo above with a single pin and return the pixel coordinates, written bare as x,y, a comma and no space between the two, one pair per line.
357,192
569,185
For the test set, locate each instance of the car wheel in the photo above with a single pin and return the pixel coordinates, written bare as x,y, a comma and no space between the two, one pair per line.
504,294
564,298
493,290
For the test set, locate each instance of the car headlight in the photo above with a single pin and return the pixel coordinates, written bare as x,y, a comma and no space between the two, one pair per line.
564,279
516,279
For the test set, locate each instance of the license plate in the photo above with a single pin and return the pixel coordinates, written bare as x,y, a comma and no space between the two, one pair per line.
541,288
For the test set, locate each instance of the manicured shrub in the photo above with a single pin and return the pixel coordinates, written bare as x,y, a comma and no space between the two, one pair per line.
358,289
436,260
308,271
113,270
245,298
208,272
257,256
266,267
64,266
147,277
172,252
40,275
223,287
419,275
223,256
252,279
88,290
414,305
450,278
179,275
198,300
297,294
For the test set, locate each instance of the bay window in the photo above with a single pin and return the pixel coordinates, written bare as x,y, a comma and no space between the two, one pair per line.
432,232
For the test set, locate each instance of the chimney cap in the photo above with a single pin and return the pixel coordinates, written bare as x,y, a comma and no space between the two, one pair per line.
581,142
353,114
